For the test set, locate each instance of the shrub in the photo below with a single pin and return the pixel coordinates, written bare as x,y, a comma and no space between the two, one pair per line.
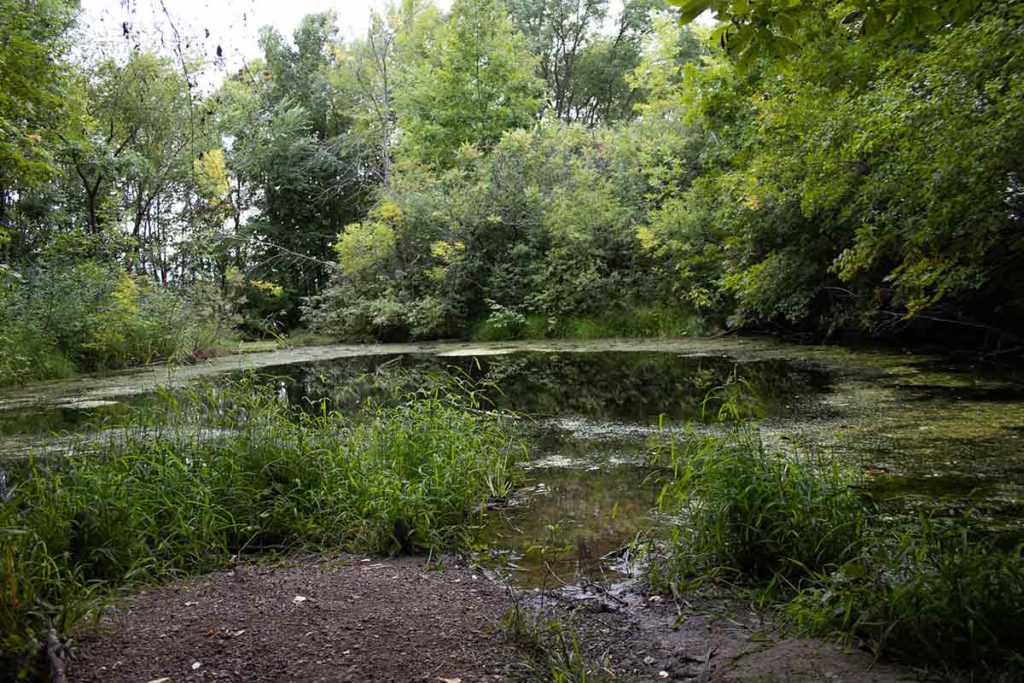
92,316
639,321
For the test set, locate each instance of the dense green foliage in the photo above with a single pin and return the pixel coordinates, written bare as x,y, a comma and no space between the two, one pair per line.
88,316
862,183
772,27
931,592
542,168
500,238
505,169
235,470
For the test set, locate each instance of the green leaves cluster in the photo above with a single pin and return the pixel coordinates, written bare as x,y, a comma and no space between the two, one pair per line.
476,84
32,78
90,316
541,227
775,28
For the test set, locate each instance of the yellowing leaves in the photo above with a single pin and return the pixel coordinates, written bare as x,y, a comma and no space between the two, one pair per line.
446,252
648,238
388,212
364,248
212,175
268,287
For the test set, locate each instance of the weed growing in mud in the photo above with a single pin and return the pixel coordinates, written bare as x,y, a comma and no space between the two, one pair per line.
795,525
553,647
238,470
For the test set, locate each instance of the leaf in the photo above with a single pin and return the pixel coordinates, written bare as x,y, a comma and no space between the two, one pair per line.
691,9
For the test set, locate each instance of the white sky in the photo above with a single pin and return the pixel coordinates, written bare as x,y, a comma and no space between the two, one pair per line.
232,24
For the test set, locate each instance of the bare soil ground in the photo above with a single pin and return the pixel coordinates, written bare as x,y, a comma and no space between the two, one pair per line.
358,619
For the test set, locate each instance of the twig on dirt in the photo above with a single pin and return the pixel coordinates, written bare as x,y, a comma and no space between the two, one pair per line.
55,658
557,578
601,590
707,658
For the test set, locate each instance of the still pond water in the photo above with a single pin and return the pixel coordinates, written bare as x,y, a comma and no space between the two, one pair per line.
931,436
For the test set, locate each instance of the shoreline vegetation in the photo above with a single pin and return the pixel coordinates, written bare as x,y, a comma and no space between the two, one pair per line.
61,322
234,471
231,471
863,179
794,531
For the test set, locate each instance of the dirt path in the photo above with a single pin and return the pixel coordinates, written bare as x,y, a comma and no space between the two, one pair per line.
353,619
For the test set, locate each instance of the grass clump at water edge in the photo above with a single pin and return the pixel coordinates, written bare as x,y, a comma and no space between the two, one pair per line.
797,525
238,470
742,509
933,593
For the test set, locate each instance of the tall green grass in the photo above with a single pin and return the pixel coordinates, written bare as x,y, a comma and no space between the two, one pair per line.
938,594
742,509
233,471
933,593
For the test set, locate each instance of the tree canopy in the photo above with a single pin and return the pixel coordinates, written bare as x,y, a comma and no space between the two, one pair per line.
518,166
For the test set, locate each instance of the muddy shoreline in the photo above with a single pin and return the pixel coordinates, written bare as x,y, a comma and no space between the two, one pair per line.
346,618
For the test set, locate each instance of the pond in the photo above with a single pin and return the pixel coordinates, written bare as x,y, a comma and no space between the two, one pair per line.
930,436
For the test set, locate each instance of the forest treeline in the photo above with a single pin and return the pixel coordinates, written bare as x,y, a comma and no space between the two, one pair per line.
513,168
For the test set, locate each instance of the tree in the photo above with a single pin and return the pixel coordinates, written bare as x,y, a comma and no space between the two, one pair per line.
131,153
477,84
584,66
296,165
33,40
375,70
299,72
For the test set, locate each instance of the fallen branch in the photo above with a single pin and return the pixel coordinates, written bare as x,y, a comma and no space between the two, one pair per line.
55,658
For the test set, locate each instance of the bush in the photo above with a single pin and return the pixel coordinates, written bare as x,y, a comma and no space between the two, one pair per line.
92,316
236,470
639,321
26,354
743,509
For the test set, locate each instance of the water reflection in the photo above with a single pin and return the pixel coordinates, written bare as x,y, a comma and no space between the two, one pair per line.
590,418
634,387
